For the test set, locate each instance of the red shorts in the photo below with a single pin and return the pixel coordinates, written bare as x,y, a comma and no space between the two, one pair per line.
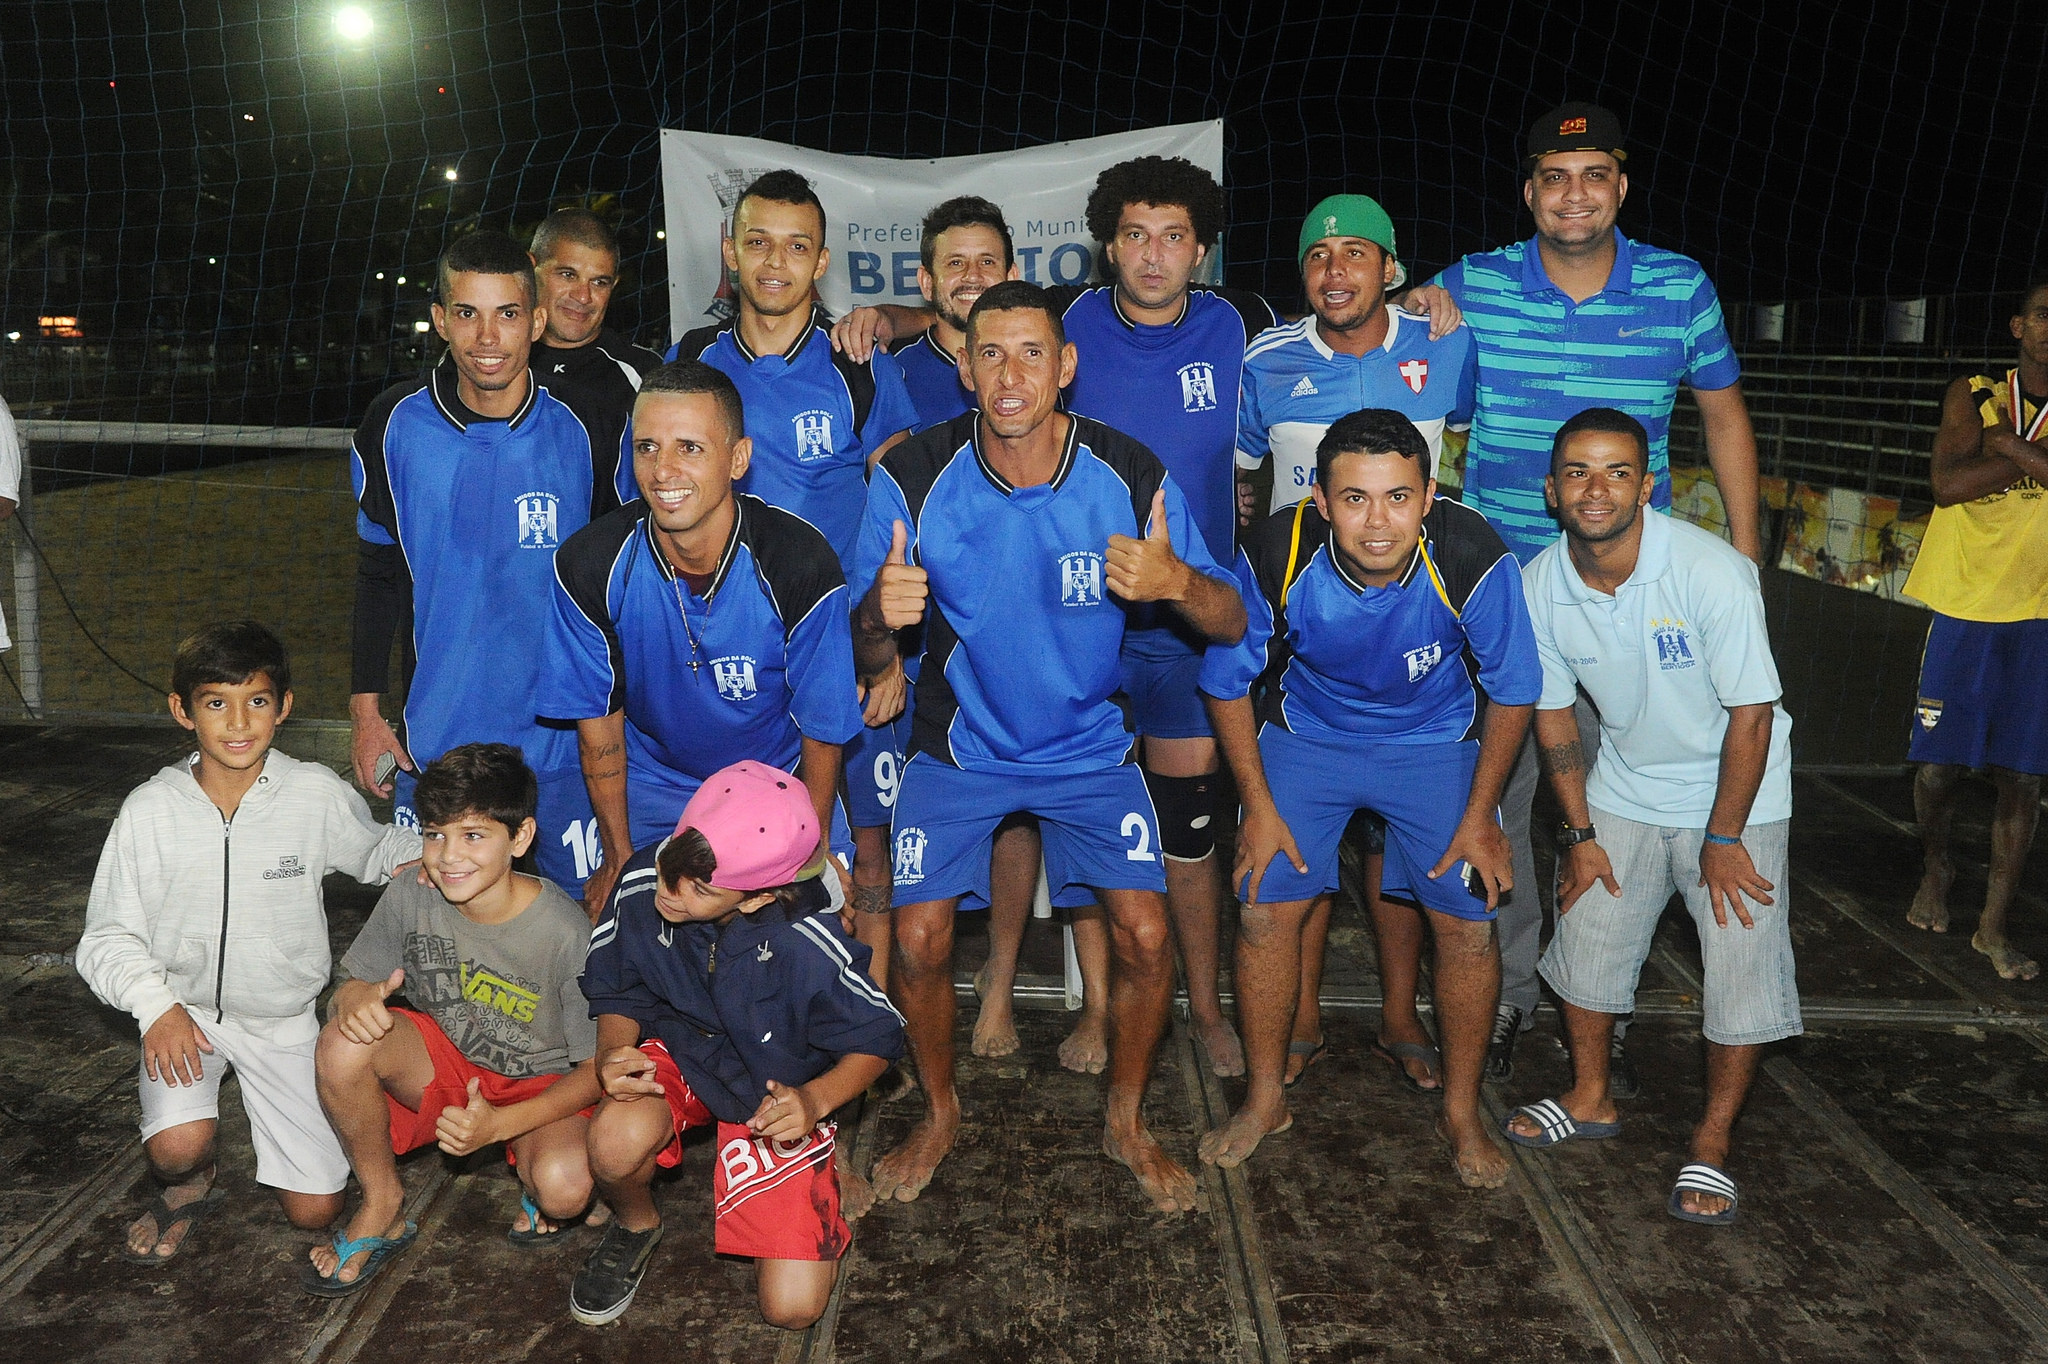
412,1129
774,1200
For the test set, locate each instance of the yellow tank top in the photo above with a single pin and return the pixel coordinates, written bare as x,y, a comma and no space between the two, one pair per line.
1988,559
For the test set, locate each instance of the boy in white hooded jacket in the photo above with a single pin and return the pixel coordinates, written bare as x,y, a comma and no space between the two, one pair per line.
206,923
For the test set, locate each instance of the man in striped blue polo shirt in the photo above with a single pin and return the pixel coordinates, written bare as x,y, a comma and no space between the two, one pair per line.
1579,316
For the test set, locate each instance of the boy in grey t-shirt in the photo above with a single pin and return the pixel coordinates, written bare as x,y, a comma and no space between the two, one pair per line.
498,1042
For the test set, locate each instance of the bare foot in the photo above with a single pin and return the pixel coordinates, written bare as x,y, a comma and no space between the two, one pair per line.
1220,1044
1232,1144
856,1195
2011,964
995,1027
1171,1188
1087,1047
366,1222
1480,1161
145,1237
1302,1052
903,1173
1930,902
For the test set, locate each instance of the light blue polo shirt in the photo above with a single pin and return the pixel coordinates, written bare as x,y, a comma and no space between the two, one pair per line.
1663,658
1543,359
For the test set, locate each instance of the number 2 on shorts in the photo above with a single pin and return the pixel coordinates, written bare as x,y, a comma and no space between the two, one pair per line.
1135,827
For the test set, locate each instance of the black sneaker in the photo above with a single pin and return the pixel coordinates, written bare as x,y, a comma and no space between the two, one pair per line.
605,1286
1500,1052
1622,1080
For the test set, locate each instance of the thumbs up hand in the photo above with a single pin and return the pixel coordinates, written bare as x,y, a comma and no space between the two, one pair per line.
359,1011
901,589
1147,569
472,1127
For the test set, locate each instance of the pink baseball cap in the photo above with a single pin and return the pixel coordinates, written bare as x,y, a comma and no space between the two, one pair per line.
760,823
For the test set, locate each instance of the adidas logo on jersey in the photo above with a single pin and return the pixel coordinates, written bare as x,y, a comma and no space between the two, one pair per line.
1303,389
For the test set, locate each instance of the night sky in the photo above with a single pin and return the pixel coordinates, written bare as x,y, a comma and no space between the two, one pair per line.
1799,151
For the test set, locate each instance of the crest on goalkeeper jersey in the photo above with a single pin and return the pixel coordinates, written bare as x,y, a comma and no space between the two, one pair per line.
813,435
1081,579
1929,711
1198,387
735,677
537,521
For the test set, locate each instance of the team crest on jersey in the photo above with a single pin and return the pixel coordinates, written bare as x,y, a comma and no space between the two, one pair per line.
1929,711
1198,387
813,435
909,869
1081,579
1420,661
1414,373
1673,650
537,521
734,675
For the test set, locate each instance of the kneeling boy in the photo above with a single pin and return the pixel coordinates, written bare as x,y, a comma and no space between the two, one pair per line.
205,922
497,1046
759,1014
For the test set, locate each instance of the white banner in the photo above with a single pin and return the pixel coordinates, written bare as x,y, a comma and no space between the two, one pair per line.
874,205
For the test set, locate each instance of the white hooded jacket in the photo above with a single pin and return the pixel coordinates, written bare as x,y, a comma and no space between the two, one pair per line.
226,916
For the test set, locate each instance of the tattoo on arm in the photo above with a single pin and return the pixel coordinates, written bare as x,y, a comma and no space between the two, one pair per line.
1565,757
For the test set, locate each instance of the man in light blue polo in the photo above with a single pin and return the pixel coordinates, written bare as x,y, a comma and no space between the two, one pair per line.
1580,316
1662,624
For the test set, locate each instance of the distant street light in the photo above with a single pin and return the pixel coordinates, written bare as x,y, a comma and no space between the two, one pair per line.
422,326
353,23
449,175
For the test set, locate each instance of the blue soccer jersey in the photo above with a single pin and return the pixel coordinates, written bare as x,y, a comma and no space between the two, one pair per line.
780,994
460,516
1174,386
816,419
1346,662
933,380
1021,640
1543,359
1295,386
760,661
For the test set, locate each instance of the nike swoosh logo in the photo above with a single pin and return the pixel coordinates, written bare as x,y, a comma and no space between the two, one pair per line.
1631,331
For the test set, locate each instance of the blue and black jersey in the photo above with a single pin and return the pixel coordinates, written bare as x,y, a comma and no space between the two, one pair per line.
1175,385
762,659
932,378
816,419
1400,664
780,994
1021,638
599,382
459,517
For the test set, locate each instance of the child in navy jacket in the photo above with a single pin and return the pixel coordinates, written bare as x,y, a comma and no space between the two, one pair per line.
723,993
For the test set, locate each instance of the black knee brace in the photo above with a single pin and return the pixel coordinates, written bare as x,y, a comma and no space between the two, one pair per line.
1187,818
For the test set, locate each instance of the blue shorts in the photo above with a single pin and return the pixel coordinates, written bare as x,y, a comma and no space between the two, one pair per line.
566,848
1983,699
874,769
1418,790
655,797
1162,684
1099,832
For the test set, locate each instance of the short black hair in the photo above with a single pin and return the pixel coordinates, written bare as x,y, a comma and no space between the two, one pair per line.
2035,284
689,857
1156,180
578,225
491,780
229,654
694,376
781,187
1605,419
968,210
485,253
1015,294
1371,431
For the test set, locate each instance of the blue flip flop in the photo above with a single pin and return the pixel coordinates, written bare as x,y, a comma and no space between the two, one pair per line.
1702,1178
381,1248
529,1238
1558,1126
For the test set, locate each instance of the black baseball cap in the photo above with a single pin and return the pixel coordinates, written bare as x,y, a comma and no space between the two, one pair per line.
1576,127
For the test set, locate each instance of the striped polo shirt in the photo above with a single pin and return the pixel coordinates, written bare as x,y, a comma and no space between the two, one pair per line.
1543,359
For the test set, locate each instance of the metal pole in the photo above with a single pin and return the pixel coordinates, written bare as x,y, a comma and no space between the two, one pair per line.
28,618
